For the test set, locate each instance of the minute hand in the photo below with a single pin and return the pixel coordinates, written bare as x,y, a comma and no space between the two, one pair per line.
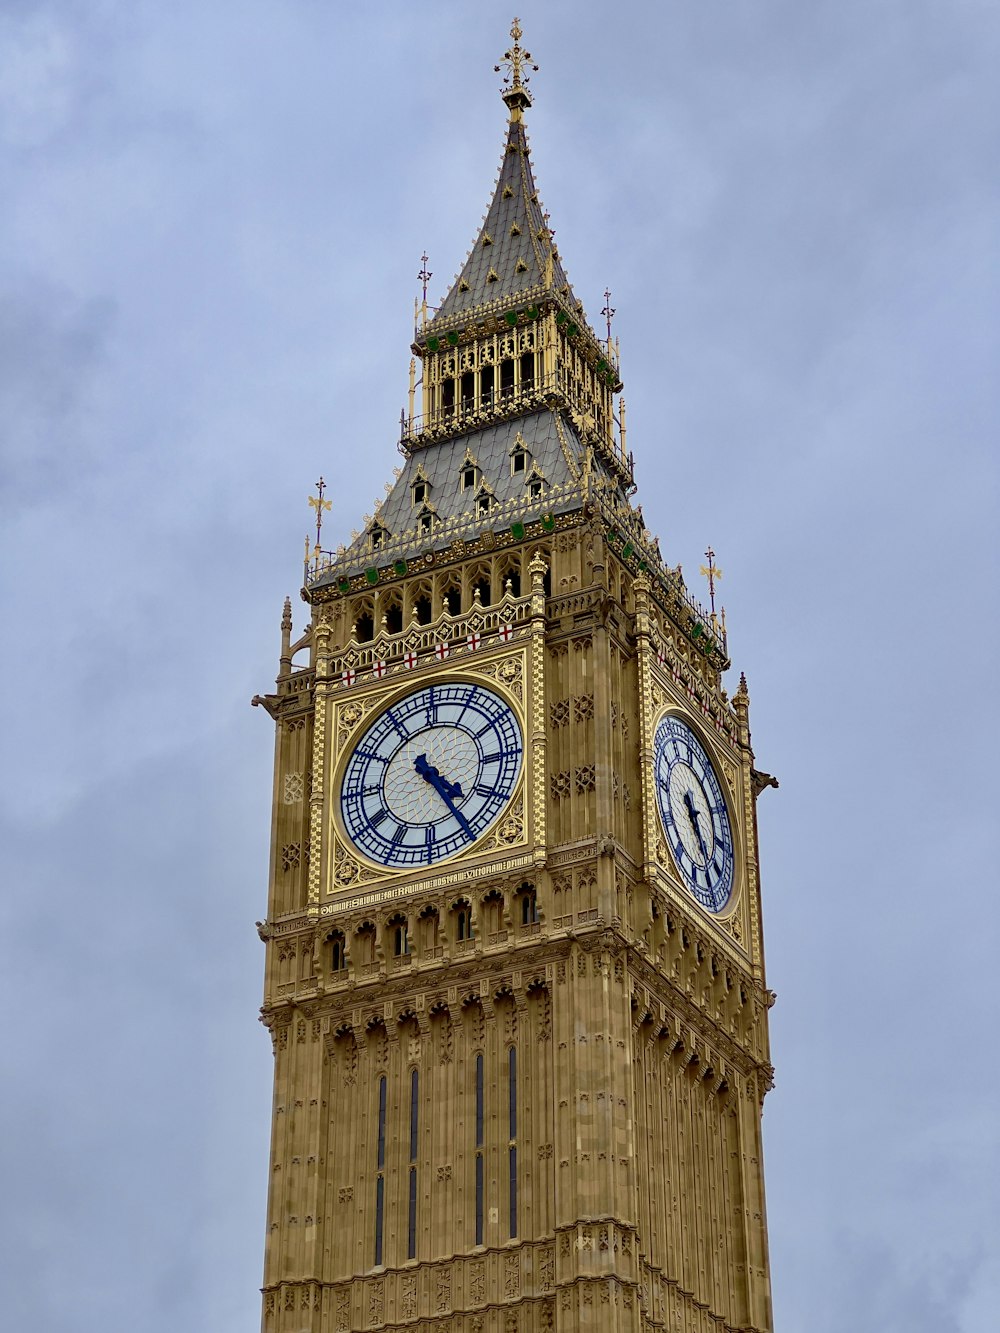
445,789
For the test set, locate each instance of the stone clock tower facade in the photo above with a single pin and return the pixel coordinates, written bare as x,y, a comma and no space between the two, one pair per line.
514,967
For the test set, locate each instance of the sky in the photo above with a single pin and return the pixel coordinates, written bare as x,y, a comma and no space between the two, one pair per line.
211,222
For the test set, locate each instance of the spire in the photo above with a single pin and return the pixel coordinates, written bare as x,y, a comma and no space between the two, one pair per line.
515,251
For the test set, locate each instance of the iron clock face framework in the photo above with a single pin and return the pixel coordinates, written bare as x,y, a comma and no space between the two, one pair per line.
694,814
431,774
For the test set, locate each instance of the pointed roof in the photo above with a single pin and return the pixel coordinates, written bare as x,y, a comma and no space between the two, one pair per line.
514,252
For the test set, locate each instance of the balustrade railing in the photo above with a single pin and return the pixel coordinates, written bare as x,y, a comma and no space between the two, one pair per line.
479,411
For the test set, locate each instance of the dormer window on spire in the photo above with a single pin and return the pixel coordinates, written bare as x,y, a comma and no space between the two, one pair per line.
377,536
420,487
470,473
485,500
518,457
425,519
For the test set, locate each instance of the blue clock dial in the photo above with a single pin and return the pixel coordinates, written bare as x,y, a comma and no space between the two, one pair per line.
431,774
693,812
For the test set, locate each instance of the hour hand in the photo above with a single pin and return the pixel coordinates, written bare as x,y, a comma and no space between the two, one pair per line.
445,789
432,775
695,822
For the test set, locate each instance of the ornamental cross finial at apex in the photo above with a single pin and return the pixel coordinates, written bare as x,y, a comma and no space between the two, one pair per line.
514,63
711,572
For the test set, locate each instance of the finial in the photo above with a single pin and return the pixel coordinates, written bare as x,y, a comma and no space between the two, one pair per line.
319,504
425,274
711,573
609,313
515,60
424,277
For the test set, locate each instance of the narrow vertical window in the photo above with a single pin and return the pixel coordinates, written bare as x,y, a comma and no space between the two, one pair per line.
479,1149
512,1147
411,1244
380,1177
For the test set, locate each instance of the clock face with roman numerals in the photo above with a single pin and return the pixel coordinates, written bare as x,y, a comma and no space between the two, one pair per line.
693,811
431,774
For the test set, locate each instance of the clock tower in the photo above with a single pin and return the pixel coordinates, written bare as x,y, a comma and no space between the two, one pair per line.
514,966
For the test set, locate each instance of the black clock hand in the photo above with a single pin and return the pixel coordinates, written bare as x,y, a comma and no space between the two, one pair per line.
693,816
445,789
433,775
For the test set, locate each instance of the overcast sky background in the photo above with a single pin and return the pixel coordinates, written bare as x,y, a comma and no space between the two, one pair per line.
211,218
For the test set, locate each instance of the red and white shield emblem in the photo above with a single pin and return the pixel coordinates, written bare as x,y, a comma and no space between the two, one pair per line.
379,669
441,651
473,641
409,661
506,632
349,676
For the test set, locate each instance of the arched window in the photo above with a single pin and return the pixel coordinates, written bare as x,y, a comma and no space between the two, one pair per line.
411,1212
463,921
364,628
380,1172
529,905
512,1140
479,1149
366,944
338,952
482,586
399,936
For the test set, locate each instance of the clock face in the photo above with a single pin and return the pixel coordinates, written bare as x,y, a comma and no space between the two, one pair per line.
431,774
694,814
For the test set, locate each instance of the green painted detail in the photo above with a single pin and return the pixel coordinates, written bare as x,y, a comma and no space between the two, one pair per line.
400,567
572,330
548,522
517,531
511,318
371,575
433,344
453,339
532,312
627,550
612,535
562,317
642,566
602,365
697,629
344,585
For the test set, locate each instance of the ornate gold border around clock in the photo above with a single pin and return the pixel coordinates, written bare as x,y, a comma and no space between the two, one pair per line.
659,693
733,919
516,827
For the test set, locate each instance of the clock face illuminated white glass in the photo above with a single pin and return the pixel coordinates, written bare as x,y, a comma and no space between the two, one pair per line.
431,774
693,812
